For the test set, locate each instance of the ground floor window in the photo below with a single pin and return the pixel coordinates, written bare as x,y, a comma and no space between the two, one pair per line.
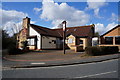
81,41
31,42
54,41
70,40
117,40
108,40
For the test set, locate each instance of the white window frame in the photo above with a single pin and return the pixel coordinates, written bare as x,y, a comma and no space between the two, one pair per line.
31,41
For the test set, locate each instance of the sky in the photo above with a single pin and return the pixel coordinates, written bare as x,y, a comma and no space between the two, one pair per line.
50,14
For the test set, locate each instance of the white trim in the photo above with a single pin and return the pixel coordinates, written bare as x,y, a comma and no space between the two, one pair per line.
33,32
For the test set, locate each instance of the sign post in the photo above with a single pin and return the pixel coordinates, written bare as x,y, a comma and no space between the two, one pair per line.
64,34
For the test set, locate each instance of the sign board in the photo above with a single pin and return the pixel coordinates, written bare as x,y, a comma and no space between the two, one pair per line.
64,25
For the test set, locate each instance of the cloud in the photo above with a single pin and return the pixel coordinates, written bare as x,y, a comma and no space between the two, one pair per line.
32,22
11,15
96,5
37,10
12,27
56,13
12,20
101,28
113,17
110,26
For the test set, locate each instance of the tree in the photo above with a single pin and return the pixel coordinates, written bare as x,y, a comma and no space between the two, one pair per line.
97,34
5,39
8,41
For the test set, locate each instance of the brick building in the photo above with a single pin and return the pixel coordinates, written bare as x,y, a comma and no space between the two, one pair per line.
111,38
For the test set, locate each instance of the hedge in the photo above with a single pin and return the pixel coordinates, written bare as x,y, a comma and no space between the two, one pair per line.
12,50
101,50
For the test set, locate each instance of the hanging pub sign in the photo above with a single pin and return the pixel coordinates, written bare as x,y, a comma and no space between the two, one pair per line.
64,25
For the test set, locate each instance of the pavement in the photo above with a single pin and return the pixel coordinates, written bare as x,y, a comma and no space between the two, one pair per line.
49,58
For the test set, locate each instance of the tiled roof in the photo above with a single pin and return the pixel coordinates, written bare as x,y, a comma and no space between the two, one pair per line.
45,31
110,30
79,31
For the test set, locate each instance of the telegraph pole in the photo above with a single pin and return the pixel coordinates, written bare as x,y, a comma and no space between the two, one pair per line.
64,34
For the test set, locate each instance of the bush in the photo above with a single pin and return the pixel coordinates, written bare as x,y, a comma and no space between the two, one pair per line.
12,50
102,50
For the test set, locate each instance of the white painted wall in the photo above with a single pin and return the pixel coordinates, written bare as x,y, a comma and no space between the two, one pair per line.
95,41
46,42
32,32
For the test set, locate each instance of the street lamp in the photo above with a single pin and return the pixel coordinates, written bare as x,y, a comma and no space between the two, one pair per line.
64,34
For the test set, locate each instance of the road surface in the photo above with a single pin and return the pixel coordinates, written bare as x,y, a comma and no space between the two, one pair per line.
106,69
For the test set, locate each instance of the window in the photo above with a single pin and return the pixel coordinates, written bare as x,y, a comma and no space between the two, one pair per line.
54,41
58,41
117,40
31,42
108,40
81,41
70,40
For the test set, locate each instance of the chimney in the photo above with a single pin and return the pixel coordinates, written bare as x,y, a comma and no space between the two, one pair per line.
26,22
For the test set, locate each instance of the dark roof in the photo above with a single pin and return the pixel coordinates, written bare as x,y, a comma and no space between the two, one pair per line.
110,30
79,31
45,31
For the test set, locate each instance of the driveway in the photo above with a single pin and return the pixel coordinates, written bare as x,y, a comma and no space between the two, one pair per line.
45,55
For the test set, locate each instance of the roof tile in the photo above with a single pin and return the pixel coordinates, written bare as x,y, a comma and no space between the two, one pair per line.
79,31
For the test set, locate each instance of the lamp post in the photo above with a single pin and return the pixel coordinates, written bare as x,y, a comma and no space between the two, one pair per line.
64,34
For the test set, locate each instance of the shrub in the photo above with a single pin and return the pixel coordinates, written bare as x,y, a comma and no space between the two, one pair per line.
12,50
102,50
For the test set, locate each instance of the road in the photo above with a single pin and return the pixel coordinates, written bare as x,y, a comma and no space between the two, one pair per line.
106,69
